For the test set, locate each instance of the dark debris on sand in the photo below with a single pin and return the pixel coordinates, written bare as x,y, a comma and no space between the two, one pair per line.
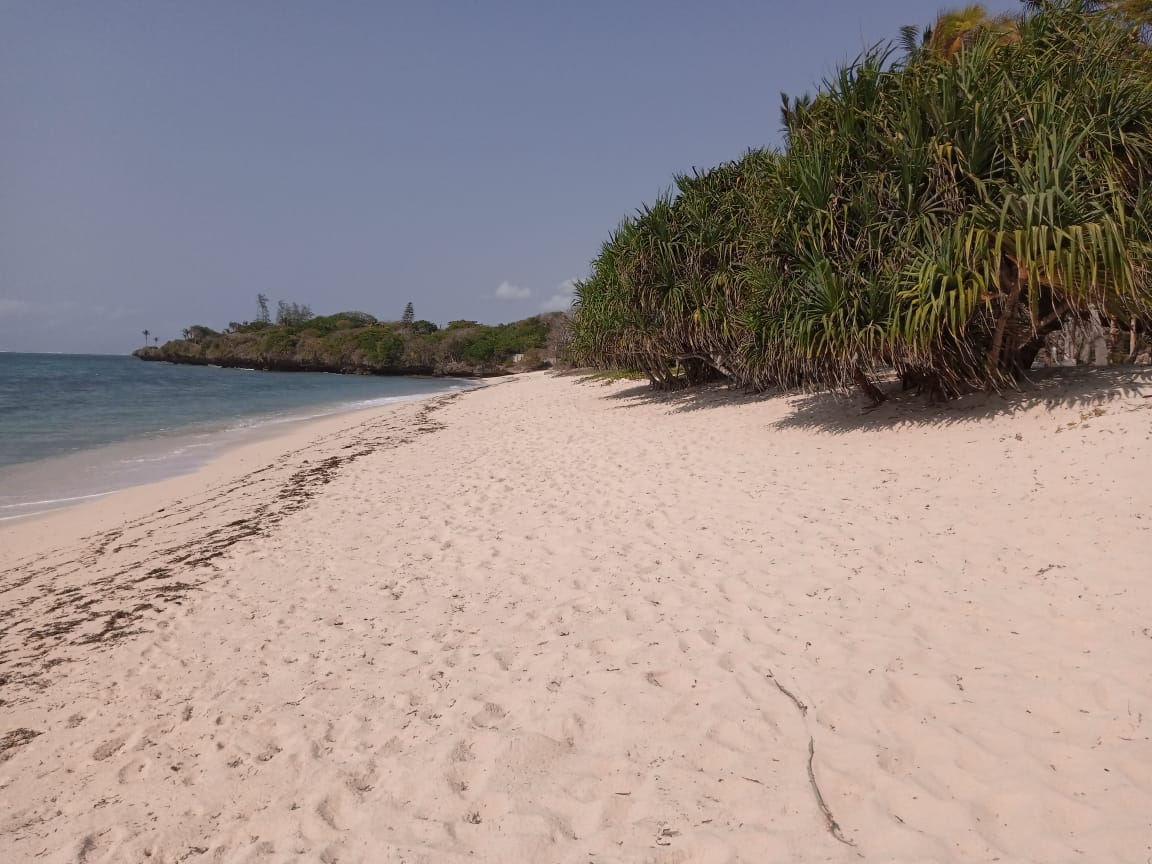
58,603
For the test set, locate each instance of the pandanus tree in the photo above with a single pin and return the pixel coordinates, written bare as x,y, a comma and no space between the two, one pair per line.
936,216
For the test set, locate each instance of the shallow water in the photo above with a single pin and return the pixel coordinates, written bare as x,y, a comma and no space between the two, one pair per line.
75,427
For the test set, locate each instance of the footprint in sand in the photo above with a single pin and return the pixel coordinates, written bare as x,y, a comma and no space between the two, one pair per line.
489,717
573,727
108,748
365,780
457,782
329,812
134,769
91,848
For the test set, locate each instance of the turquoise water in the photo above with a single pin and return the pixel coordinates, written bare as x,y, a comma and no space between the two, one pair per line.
78,426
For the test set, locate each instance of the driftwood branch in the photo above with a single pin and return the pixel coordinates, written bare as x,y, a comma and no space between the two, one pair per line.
833,826
803,709
829,821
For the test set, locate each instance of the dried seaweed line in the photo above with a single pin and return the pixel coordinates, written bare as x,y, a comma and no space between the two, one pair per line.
12,740
123,585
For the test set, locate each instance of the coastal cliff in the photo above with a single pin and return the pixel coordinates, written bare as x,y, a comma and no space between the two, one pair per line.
357,343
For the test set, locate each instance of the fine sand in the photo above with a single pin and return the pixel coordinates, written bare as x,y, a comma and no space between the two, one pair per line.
558,620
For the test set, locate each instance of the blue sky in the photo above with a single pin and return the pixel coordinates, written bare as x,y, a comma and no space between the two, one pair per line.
163,162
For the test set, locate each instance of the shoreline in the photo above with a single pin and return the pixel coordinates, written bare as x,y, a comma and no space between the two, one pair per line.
153,458
257,448
560,620
115,556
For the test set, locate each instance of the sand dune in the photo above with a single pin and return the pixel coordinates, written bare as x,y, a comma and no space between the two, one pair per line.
563,621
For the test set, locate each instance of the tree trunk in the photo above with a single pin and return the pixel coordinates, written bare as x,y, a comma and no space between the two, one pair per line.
697,371
1007,273
870,390
1026,355
1113,338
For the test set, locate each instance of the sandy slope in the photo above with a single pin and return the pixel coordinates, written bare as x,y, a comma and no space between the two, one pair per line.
560,621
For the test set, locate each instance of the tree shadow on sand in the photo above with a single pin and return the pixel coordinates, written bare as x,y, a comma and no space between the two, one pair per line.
699,398
1081,387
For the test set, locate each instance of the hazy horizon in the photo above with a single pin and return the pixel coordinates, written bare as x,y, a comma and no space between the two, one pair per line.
165,163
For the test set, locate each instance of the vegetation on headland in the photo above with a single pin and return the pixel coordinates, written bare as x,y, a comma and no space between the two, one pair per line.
357,342
938,212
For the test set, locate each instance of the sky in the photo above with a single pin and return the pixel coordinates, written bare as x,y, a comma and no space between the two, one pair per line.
163,162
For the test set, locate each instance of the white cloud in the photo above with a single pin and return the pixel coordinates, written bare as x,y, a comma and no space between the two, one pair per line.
12,308
561,301
508,291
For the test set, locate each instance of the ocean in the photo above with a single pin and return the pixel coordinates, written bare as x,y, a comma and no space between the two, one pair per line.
74,427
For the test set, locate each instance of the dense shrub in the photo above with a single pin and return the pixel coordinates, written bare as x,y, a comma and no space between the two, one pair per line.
937,214
358,342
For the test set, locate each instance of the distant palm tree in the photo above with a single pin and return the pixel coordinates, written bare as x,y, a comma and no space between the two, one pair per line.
156,341
957,28
1134,13
147,333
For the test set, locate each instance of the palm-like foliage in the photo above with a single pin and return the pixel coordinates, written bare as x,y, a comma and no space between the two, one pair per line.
938,217
956,29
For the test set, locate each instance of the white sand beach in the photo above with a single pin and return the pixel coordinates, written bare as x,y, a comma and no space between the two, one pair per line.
558,620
